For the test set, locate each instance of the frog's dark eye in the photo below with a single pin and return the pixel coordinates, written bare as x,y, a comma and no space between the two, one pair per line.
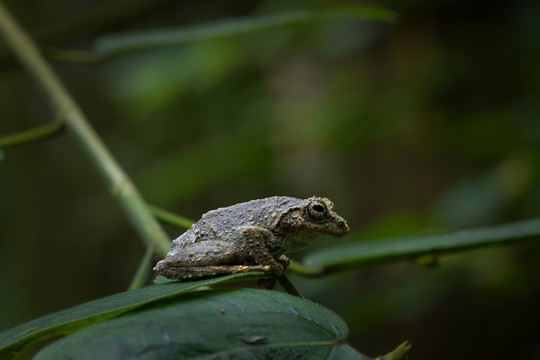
317,210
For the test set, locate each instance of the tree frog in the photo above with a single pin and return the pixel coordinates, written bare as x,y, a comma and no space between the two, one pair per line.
250,236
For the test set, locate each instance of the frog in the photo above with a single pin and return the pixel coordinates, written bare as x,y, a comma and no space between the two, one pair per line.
250,236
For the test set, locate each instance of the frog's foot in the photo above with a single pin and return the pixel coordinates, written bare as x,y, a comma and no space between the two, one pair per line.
283,260
199,272
277,267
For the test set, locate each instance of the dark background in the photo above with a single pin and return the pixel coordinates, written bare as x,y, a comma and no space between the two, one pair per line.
425,125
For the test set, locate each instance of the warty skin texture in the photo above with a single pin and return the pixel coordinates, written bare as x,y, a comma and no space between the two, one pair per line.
250,236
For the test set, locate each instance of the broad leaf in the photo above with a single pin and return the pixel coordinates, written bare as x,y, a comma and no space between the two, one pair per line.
224,324
378,251
115,44
67,321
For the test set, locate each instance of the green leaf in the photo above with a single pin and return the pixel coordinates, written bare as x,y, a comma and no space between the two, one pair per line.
377,251
77,317
116,44
233,323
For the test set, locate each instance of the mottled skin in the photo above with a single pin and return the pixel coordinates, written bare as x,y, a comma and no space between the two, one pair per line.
250,236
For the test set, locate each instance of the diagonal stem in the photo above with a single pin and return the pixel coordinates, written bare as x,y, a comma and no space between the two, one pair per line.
119,184
288,286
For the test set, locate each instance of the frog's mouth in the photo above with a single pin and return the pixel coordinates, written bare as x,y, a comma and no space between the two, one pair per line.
332,225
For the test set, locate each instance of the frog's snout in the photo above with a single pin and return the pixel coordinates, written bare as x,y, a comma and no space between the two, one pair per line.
342,224
339,227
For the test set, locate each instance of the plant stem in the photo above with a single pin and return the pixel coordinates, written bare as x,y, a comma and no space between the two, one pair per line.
143,270
306,270
288,286
32,135
117,181
72,56
170,218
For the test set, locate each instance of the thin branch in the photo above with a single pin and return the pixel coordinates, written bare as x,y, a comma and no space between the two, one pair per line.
72,56
305,270
92,19
288,286
170,218
117,181
399,353
143,271
36,134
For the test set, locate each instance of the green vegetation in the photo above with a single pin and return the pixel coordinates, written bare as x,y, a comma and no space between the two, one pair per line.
423,134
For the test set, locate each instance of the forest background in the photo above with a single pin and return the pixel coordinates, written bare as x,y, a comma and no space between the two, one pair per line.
420,125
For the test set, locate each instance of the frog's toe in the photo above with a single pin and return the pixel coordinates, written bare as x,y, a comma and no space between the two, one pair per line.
277,269
284,260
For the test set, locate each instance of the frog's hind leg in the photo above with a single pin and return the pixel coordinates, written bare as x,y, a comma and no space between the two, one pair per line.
199,272
190,261
202,260
202,253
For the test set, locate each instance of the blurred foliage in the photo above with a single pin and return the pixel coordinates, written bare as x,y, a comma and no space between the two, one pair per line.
425,125
70,320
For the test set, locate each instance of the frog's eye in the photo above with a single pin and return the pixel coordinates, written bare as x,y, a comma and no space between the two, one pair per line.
317,210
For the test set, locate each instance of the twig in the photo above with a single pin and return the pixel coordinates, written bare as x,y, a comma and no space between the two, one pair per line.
170,218
90,20
301,269
72,56
288,286
117,181
143,270
36,134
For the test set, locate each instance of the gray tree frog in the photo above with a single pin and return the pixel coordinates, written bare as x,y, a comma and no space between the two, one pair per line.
250,236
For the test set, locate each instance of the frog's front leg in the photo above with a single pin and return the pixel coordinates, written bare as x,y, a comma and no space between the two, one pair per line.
256,239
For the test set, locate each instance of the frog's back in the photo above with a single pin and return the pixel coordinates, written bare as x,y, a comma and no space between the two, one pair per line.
261,213
226,223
